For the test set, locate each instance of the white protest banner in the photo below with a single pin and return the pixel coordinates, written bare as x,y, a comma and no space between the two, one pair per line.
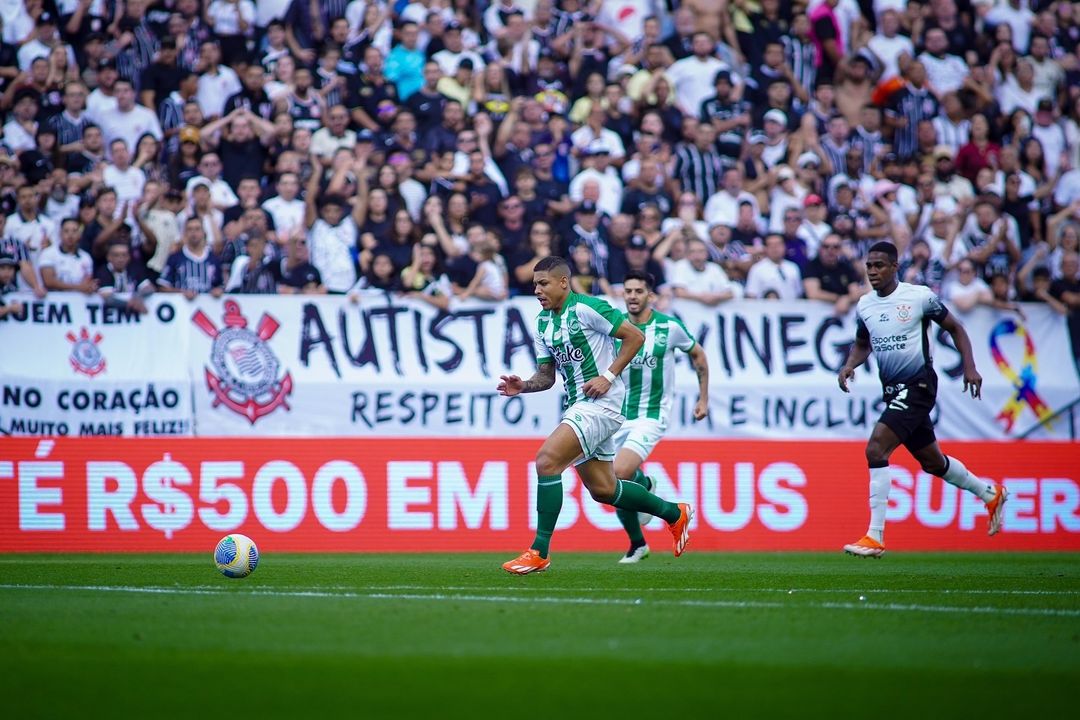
70,365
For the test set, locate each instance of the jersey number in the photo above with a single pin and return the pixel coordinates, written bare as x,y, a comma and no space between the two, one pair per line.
897,403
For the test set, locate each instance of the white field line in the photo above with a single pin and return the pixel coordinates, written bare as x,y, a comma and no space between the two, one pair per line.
442,597
544,588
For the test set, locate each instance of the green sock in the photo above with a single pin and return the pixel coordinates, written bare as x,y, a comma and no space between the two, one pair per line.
548,505
631,496
631,525
629,518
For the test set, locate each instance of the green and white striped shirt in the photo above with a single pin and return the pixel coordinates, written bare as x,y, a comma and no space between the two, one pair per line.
579,340
650,376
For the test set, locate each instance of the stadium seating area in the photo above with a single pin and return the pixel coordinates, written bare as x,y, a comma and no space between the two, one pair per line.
438,148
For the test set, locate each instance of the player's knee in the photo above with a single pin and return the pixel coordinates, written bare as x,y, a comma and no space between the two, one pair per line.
547,464
602,491
876,454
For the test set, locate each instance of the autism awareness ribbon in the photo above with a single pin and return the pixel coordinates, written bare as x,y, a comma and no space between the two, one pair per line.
1023,382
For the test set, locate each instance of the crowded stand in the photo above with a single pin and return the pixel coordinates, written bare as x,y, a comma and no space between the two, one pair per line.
437,149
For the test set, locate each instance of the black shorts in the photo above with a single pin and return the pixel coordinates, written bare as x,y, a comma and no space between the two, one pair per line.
907,411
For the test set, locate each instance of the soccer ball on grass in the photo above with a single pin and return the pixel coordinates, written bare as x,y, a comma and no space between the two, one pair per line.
236,556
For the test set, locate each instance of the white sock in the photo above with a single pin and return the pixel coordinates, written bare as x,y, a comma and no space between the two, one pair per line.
880,480
962,478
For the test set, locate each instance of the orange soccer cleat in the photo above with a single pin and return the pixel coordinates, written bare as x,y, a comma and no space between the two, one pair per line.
680,529
865,546
527,562
996,508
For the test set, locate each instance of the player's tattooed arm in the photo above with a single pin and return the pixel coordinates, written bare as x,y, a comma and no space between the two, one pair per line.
544,378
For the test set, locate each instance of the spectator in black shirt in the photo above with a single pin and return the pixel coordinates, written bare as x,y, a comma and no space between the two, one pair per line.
511,226
484,195
443,137
635,257
731,118
681,42
643,191
253,95
161,77
522,260
294,273
831,277
427,104
122,282
370,90
243,147
1066,290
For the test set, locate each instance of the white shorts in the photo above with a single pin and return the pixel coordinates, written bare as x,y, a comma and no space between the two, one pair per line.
640,436
595,428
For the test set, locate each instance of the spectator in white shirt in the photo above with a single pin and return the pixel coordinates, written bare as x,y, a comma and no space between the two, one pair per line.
1019,90
695,278
967,289
598,172
128,122
46,38
126,180
66,266
217,83
102,100
286,208
944,72
29,226
722,208
593,134
221,195
773,277
888,45
1048,71
1018,17
693,76
20,132
334,134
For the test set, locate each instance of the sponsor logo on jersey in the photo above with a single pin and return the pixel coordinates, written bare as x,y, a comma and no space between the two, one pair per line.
567,354
86,358
644,360
245,375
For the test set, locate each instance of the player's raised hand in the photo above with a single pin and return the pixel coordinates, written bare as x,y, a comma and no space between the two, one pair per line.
510,385
973,383
846,375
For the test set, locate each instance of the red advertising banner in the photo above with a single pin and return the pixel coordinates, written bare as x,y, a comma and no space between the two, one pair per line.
349,495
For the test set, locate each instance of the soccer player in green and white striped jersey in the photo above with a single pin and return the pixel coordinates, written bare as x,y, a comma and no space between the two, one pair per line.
576,334
650,380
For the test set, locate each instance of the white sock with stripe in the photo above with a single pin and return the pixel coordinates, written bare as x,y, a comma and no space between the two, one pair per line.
958,475
880,480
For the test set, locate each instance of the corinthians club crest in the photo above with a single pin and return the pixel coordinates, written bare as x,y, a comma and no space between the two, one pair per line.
244,374
86,357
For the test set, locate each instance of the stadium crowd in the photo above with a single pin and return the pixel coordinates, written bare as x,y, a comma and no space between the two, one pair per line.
439,148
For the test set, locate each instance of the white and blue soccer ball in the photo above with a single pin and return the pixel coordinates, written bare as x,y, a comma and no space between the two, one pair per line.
236,556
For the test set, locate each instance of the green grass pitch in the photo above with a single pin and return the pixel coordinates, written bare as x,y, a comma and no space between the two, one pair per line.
706,636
